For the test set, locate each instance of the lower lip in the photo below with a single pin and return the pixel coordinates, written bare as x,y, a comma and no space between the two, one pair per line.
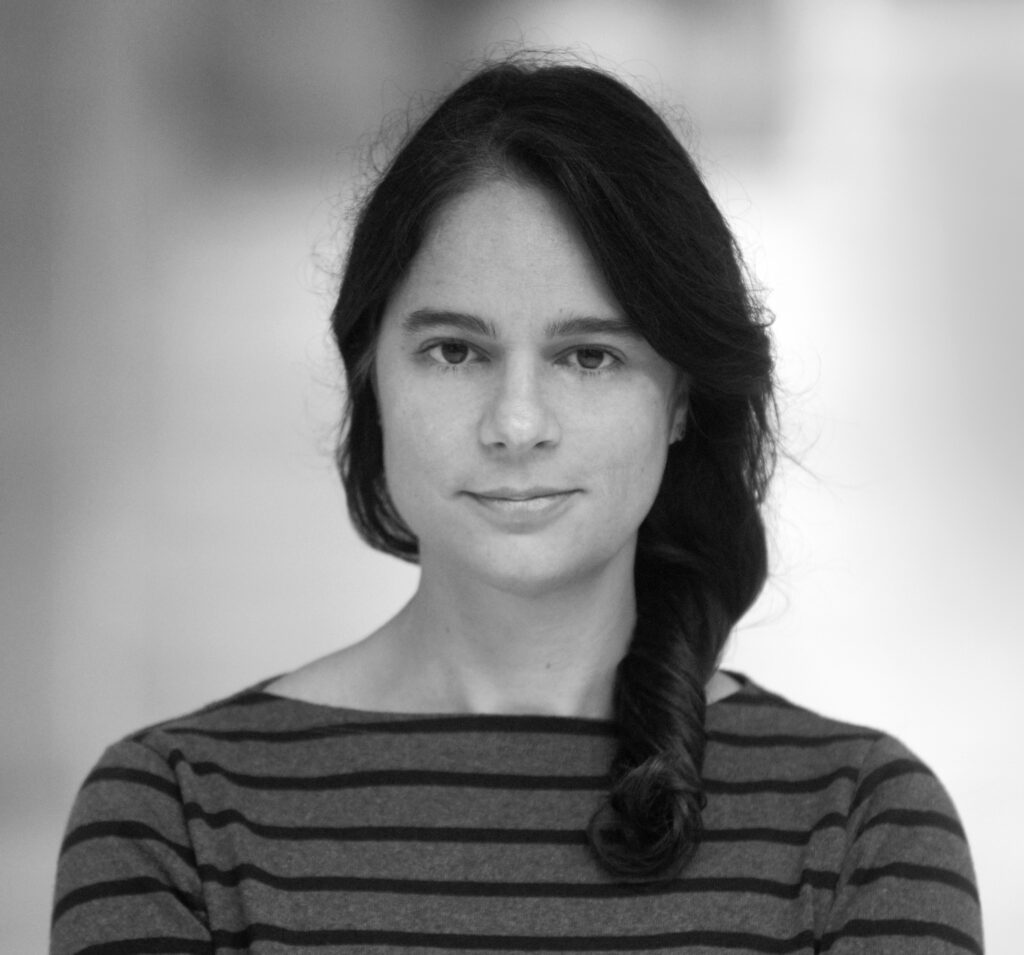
527,509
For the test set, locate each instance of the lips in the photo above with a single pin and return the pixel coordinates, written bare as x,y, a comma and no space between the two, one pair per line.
521,494
523,507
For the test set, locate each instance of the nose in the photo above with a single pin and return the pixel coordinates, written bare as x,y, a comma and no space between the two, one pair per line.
519,416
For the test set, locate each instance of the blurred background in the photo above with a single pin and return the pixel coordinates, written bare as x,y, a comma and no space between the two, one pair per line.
176,180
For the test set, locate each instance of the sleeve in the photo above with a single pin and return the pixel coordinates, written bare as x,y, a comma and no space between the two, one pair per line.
126,878
907,884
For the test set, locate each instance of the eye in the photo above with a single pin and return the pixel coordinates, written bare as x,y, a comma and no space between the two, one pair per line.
592,359
449,353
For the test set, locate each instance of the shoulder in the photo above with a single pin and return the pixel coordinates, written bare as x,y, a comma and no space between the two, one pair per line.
861,786
758,727
787,740
874,823
148,785
253,703
128,861
147,758
224,713
128,858
168,758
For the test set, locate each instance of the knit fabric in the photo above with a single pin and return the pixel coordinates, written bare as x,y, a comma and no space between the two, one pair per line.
269,825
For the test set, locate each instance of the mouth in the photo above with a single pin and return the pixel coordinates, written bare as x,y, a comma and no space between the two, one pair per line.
523,503
520,495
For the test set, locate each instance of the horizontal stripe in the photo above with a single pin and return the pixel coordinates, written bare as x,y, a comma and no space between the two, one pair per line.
193,812
478,834
121,888
518,724
253,697
759,698
901,928
247,699
917,873
803,741
400,726
394,777
786,837
508,781
125,829
744,941
157,945
811,784
118,774
481,835
907,818
230,878
448,834
890,771
913,819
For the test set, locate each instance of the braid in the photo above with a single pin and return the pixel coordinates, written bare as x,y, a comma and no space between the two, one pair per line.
650,823
701,561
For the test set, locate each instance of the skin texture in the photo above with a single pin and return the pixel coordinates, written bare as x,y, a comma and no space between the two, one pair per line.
526,427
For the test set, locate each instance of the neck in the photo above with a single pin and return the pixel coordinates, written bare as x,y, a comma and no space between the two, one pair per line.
473,648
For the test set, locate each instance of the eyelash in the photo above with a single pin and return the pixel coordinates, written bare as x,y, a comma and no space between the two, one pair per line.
428,349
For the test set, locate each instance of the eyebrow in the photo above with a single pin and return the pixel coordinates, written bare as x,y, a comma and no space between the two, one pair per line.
424,319
591,325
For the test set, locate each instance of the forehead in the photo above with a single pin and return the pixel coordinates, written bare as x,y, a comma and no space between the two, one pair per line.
504,250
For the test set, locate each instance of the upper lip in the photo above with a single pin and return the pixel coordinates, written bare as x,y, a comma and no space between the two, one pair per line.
521,493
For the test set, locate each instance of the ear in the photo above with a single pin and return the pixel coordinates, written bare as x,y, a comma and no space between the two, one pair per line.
680,409
678,430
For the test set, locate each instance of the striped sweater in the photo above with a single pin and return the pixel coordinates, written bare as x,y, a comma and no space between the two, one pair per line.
266,824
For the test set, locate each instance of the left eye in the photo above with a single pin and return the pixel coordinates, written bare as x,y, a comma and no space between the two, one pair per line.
450,353
591,359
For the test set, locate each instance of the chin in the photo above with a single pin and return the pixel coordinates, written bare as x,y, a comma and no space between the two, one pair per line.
526,571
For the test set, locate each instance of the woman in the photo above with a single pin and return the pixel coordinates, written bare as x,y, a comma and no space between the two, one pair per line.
560,405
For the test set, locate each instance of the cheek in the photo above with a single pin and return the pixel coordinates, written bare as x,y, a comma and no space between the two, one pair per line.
634,459
418,448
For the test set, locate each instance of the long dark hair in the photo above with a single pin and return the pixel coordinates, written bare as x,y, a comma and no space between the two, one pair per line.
673,265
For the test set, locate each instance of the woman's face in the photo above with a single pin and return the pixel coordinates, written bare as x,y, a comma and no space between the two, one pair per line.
525,423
